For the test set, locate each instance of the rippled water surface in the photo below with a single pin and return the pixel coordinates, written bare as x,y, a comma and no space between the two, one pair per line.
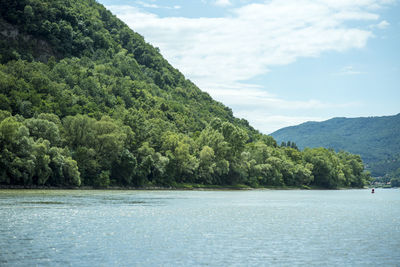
186,228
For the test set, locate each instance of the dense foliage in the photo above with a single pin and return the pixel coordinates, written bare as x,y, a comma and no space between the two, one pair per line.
85,101
376,139
394,178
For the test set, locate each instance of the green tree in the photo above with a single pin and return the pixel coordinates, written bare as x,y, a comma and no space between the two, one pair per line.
124,169
207,165
42,170
47,130
17,162
64,169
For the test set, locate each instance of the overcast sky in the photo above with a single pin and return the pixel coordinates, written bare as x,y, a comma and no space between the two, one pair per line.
280,63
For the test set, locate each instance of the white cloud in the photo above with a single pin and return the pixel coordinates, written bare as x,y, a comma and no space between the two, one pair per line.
382,25
269,123
222,2
260,108
349,70
155,6
144,4
249,96
221,54
255,38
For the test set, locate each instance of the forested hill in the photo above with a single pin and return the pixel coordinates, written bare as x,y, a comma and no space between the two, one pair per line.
95,43
84,100
376,139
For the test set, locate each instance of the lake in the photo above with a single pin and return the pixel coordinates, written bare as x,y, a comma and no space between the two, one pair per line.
199,228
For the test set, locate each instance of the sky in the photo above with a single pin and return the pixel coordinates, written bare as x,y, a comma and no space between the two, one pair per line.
279,63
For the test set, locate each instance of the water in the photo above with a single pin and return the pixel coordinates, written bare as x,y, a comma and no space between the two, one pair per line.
199,228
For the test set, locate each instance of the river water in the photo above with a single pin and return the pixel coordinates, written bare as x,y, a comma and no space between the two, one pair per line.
200,228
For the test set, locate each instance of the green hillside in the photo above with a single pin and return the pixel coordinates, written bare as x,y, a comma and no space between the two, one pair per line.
376,139
84,100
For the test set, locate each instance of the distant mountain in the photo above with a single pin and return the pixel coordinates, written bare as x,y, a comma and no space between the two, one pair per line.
376,139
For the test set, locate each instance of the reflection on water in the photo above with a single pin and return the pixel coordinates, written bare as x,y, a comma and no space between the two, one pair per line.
184,228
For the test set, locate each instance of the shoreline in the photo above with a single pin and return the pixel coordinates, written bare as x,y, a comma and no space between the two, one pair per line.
184,187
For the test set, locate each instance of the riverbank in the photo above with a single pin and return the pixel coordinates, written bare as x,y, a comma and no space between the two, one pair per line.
175,187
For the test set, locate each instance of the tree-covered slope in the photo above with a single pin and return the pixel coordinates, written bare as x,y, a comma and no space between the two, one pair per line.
99,44
376,139
84,100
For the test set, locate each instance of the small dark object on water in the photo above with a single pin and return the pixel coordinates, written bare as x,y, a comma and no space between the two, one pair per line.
373,190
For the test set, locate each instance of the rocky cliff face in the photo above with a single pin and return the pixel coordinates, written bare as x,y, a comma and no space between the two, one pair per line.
21,42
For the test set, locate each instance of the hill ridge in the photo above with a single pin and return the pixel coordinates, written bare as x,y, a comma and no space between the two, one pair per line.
375,138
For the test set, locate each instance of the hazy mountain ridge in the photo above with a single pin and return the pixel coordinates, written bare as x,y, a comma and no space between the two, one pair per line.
376,139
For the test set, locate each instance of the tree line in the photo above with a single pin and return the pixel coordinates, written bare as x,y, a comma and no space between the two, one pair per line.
80,150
